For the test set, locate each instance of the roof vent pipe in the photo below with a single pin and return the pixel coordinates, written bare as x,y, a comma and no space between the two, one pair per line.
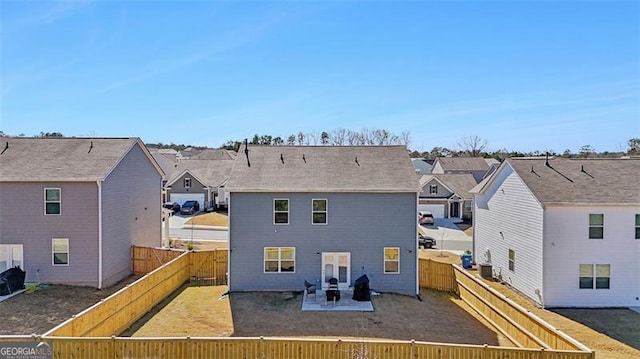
546,161
6,147
246,151
357,161
90,147
282,158
304,159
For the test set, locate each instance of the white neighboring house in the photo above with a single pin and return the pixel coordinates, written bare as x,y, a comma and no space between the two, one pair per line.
566,233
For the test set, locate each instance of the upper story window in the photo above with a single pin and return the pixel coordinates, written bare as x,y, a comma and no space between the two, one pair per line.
391,260
279,259
433,189
512,260
186,182
637,226
52,201
280,211
596,226
319,211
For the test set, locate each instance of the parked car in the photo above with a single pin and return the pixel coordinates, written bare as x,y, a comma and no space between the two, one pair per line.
425,241
174,206
425,217
190,207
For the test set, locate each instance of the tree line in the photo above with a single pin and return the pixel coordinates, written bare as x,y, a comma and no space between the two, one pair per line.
471,146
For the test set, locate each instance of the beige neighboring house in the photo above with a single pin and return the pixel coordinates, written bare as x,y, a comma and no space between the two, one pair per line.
447,195
200,180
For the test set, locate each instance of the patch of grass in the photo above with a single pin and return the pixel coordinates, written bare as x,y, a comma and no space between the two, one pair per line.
196,312
210,219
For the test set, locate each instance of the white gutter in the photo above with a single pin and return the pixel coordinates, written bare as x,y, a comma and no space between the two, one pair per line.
99,234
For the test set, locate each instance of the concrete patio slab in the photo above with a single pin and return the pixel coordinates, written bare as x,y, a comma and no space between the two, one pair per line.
318,303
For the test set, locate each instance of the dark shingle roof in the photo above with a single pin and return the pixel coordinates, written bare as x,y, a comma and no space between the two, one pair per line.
603,181
61,159
324,169
212,172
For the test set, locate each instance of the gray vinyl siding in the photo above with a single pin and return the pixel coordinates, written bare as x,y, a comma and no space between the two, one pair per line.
362,224
196,187
131,215
22,221
443,192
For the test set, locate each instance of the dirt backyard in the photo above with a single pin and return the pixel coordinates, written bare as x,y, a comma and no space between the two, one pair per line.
201,311
43,307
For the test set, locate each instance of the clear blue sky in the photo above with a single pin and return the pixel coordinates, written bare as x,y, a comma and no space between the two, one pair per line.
538,75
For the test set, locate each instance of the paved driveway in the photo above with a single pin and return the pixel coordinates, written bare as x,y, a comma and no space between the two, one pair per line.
448,236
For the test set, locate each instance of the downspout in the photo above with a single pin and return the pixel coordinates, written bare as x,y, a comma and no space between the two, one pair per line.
415,243
99,234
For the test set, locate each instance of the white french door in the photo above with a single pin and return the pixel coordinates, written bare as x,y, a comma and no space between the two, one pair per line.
10,256
336,265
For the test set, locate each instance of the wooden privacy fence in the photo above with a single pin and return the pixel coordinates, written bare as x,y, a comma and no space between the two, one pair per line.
286,348
205,267
209,267
437,275
114,314
146,259
521,326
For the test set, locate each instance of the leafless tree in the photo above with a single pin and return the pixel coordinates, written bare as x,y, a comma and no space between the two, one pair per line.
338,137
473,145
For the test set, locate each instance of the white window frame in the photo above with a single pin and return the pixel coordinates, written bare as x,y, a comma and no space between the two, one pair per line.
468,206
186,182
59,201
53,252
385,260
594,275
596,225
279,260
326,212
511,260
637,219
287,211
433,189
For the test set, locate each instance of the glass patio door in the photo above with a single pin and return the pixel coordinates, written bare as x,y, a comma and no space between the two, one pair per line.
336,265
10,256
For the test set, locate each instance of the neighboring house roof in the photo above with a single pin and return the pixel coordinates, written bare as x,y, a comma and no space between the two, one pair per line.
422,166
463,163
168,165
212,173
578,181
460,184
168,151
188,152
64,159
214,154
323,169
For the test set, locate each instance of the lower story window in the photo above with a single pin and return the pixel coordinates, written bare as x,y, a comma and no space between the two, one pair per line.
596,276
60,251
279,259
392,260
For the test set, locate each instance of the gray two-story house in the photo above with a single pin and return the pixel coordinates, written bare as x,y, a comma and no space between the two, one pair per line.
71,208
319,212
